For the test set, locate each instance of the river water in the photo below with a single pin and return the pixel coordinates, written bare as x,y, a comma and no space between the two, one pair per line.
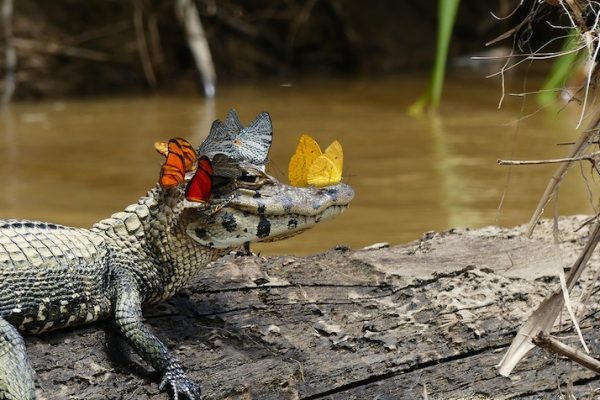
75,162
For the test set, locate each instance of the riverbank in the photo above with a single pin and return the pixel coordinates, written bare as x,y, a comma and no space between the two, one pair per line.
433,317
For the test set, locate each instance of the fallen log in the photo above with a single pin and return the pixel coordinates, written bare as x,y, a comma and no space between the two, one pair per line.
429,319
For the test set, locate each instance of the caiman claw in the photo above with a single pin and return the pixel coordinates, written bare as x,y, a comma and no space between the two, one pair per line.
180,384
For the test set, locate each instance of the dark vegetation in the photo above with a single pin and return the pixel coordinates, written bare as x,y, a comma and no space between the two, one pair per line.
74,48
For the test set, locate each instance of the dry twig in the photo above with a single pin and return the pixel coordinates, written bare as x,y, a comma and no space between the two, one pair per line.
542,319
57,48
548,342
582,144
588,157
142,43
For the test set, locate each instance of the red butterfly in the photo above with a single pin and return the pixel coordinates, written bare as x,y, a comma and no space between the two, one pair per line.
198,190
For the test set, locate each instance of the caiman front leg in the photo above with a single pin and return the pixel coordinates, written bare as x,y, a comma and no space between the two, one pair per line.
128,319
16,375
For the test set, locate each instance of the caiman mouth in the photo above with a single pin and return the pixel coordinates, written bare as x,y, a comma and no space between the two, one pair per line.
273,212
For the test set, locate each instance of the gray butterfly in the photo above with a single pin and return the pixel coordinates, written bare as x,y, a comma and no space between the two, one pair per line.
227,167
250,144
229,175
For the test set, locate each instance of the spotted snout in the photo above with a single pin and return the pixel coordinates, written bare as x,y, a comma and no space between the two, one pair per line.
272,212
282,199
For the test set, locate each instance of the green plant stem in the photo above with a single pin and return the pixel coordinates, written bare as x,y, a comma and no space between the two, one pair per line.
560,71
433,95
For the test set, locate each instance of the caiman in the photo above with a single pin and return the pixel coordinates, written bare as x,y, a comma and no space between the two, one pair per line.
53,276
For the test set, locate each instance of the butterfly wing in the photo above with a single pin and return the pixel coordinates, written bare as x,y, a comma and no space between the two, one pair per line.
335,153
233,123
221,136
219,140
185,149
189,154
199,187
323,172
326,169
162,148
307,151
170,176
172,172
225,166
254,141
250,144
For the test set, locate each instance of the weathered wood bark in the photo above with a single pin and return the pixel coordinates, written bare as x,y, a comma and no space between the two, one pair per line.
429,319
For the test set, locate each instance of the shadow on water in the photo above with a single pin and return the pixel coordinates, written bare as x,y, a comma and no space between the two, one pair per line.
75,162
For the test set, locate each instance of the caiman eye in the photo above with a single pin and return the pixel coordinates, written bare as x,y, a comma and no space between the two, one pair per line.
249,178
252,181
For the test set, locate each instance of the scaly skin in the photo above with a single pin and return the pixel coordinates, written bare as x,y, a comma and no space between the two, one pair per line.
53,276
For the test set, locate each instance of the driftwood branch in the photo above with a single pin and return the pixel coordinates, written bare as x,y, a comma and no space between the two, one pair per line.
142,43
198,43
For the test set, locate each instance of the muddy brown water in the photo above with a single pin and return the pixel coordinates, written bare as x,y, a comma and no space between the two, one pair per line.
75,162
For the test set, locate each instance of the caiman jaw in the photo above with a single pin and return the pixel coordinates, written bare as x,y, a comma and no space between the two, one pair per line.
272,212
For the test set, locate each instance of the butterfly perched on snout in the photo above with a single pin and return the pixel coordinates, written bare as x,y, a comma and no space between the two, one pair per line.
181,158
310,166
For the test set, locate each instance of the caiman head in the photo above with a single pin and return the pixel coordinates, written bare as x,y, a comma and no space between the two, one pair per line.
257,207
245,203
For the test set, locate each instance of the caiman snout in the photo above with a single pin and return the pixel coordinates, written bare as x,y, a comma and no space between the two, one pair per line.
279,199
340,194
273,212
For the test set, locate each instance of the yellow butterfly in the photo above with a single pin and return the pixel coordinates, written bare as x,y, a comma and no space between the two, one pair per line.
310,166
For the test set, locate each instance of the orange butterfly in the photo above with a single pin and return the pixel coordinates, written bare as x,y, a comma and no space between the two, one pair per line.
189,154
181,157
199,188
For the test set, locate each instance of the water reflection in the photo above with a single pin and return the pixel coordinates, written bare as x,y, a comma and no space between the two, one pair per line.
9,135
75,162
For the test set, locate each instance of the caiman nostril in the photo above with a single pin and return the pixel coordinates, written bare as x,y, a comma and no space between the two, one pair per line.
332,191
